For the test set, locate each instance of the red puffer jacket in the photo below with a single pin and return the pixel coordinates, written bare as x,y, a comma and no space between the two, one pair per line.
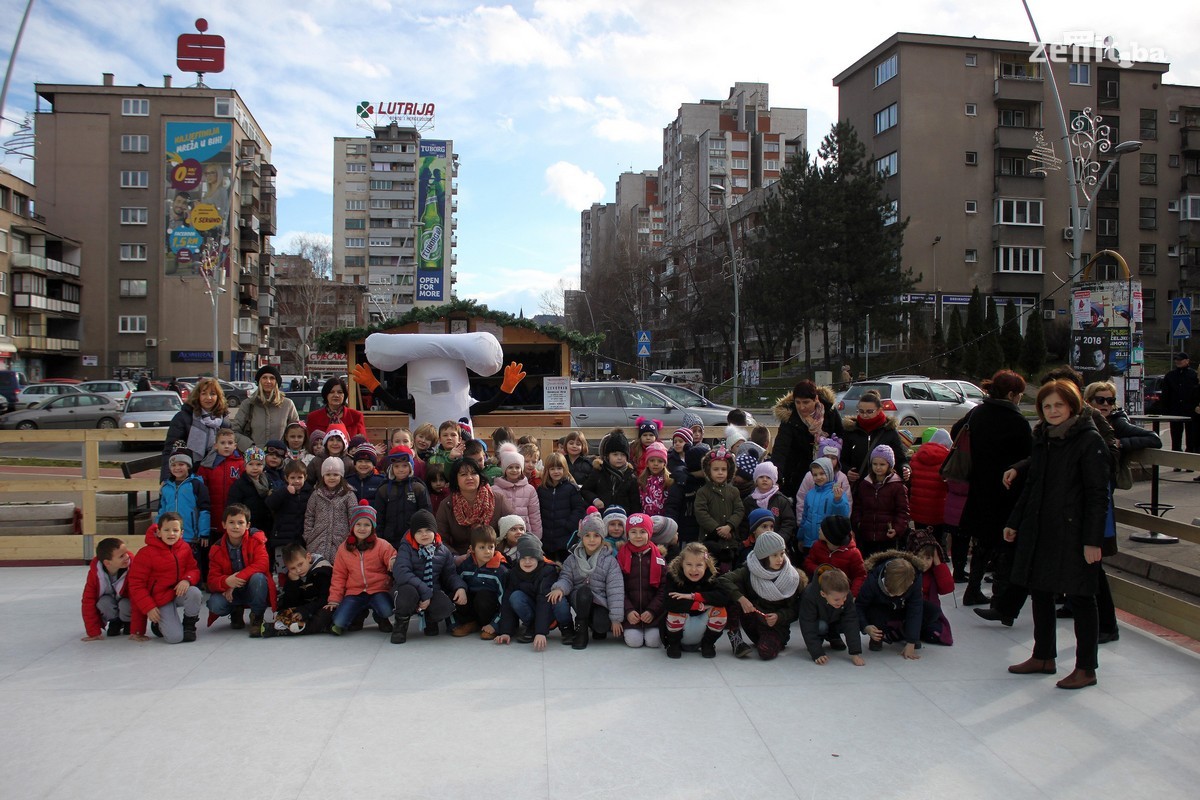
153,575
254,556
92,621
927,501
878,507
847,558
219,479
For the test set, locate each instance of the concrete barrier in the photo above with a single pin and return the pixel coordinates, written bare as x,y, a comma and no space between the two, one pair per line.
37,518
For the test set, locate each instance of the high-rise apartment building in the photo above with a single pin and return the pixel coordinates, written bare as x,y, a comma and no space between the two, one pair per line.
162,186
953,122
394,211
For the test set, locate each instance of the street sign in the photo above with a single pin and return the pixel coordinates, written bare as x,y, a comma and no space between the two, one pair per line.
643,337
607,366
1181,328
1181,307
643,351
1181,318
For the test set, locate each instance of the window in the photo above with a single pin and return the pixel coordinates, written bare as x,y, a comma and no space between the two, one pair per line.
1021,70
356,168
356,224
1189,207
355,186
135,179
740,163
771,163
33,284
1173,160
1012,118
1148,213
1148,174
135,143
1018,212
133,252
357,205
886,69
971,207
892,214
971,59
131,324
1087,218
356,149
381,242
356,241
971,109
1147,259
3,283
1108,226
770,147
1012,165
741,183
135,107
888,165
131,358
3,325
3,241
355,261
1149,124
972,158
971,256
131,215
383,186
1026,260
1080,74
133,287
886,118
222,107
1149,303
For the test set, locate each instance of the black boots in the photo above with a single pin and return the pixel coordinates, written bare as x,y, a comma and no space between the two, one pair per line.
580,641
568,634
114,627
256,623
237,617
189,628
708,643
673,643
400,630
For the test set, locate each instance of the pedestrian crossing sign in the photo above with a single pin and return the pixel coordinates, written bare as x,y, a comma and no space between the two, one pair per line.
643,337
1182,330
643,351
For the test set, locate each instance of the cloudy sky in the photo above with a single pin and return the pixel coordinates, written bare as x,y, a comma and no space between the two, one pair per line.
546,101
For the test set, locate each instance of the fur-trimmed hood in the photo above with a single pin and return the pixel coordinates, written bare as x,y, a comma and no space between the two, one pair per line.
785,406
919,564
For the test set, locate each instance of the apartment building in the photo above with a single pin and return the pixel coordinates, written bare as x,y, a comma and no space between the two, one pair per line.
394,206
954,122
309,304
162,185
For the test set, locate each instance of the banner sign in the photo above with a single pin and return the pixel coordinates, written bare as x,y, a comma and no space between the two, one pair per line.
197,195
431,244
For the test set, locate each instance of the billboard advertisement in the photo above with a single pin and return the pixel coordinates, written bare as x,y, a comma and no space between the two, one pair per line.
431,242
1106,336
197,195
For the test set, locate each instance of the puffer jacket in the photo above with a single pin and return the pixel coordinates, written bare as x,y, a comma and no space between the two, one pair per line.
606,581
737,584
410,567
839,621
911,602
819,504
879,507
219,475
287,510
613,488
562,509
308,595
718,505
856,450
361,571
188,499
523,500
395,503
640,595
254,556
153,575
327,519
581,468
795,447
365,488
807,485
93,623
848,558
927,500
256,423
956,501
244,492
780,507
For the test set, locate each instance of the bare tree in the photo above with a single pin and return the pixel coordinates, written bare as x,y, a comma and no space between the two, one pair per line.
306,295
552,300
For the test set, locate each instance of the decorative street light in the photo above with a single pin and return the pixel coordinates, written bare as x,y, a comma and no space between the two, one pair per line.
737,316
1089,136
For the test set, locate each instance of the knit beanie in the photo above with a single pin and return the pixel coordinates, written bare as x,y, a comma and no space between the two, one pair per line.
768,469
941,437
510,457
666,530
745,464
927,434
692,419
641,522
836,530
615,512
757,517
694,459
768,544
180,455
338,430
885,452
333,466
733,435
592,522
255,454
269,369
656,450
831,446
648,426
316,437
529,546
364,510
614,442
507,522
277,444
685,434
422,519
465,427
720,454
358,440
825,464
366,451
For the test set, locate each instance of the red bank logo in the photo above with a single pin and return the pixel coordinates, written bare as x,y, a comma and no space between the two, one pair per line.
200,52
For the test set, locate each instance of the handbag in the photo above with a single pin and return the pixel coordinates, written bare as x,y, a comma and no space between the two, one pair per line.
957,466
1124,474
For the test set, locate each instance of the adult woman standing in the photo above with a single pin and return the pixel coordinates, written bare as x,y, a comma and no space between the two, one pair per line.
805,415
1058,527
1102,397
265,415
1000,437
334,393
197,423
471,502
868,429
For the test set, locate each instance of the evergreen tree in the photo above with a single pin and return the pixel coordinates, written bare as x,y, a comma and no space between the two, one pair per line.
939,344
954,341
972,331
1033,349
991,353
1010,336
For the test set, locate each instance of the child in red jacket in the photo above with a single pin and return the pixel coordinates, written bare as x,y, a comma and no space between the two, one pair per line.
927,497
936,580
162,578
105,593
362,574
220,470
835,546
879,513
239,573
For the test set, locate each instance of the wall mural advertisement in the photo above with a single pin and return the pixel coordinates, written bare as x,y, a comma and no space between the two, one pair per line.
1106,337
197,195
431,246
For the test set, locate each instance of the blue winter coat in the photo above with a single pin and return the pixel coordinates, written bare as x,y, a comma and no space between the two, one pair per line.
819,504
189,500
365,488
562,509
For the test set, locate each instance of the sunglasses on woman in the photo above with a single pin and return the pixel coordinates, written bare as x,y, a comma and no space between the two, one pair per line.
1104,401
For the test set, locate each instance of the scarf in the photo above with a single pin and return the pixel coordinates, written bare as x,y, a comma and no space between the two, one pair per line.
816,421
585,562
871,424
261,484
361,545
625,560
654,495
1060,430
764,498
773,586
427,552
335,416
478,512
297,455
202,436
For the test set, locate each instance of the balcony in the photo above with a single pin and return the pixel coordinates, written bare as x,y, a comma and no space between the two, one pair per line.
45,344
1014,138
1022,89
43,264
248,240
1189,184
1189,139
247,339
1189,230
1020,186
37,302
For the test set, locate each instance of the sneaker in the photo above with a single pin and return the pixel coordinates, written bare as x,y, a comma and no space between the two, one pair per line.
525,636
336,630
742,650
465,629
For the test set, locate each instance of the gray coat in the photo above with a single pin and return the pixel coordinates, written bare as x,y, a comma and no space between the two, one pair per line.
257,423
606,581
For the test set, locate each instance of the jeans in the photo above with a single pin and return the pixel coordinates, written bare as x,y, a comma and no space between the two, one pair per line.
523,606
254,594
347,610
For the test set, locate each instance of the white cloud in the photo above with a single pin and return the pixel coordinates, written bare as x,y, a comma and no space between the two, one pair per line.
368,69
503,36
620,129
575,187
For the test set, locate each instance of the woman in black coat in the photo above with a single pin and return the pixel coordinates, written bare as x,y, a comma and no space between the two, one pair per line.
1058,527
1000,438
865,431
196,424
804,415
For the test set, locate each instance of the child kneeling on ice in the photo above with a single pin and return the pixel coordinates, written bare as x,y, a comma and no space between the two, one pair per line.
526,592
765,593
591,579
695,602
426,578
889,605
827,613
361,574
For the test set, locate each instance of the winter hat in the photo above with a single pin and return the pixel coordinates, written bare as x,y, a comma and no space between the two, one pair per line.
339,430
768,544
364,510
825,464
297,424
316,437
941,437
754,449
507,522
685,434
529,546
464,425
510,457
757,517
255,454
180,455
921,538
615,512
333,466
422,519
614,442
694,459
356,441
401,453
885,452
831,446
366,451
768,469
656,450
734,435
592,523
836,530
927,434
648,426
641,522
746,464
666,530
268,369
277,444
720,454
692,419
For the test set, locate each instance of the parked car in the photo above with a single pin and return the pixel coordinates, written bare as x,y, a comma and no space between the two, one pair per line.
967,389
149,410
234,396
12,383
911,400
34,393
305,402
71,410
617,404
691,401
117,390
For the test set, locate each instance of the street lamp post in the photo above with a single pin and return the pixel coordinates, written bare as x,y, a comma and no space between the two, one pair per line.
212,292
595,356
1077,225
737,316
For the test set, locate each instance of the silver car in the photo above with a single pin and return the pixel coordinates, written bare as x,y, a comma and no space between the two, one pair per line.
911,400
35,393
691,401
114,390
149,410
72,410
618,404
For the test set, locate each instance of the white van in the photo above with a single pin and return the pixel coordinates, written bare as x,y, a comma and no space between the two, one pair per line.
687,378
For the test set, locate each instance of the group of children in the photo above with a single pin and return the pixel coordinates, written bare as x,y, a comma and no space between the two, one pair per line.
661,547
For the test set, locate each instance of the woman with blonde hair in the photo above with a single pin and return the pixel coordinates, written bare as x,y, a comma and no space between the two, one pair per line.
267,413
197,422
